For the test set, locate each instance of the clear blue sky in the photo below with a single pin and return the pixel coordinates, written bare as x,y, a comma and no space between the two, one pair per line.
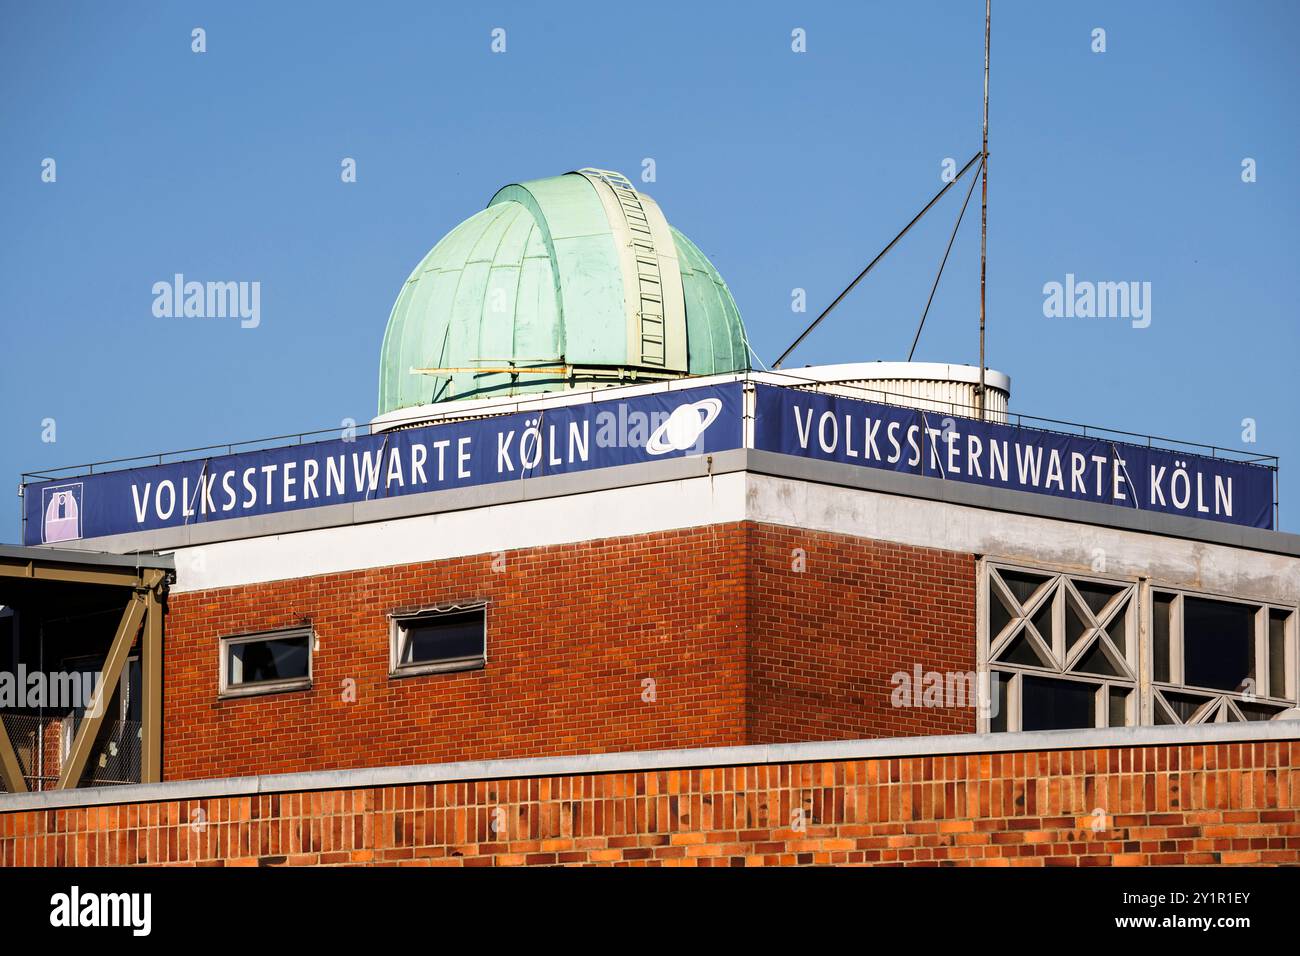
788,170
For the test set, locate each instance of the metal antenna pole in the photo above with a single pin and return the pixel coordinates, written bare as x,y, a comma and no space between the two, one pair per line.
984,197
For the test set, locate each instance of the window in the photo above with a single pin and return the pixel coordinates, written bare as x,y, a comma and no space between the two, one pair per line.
438,639
1216,660
1061,650
266,663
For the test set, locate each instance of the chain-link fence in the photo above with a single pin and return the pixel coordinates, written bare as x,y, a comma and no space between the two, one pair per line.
41,744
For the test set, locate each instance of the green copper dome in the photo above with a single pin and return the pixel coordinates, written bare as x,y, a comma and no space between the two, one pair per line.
571,282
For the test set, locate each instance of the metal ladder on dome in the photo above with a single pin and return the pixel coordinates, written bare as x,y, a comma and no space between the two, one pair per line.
649,279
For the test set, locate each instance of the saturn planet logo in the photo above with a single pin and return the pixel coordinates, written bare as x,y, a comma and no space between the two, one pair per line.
682,429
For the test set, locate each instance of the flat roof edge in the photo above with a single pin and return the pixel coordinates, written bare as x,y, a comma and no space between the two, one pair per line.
843,475
647,760
753,461
141,559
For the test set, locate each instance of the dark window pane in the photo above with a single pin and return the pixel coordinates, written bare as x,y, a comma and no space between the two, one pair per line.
999,615
1162,715
1277,653
1184,705
1117,630
1095,595
1218,643
442,637
1095,661
998,685
1258,711
1164,604
1022,586
1048,704
281,658
1074,626
1020,651
1043,623
1118,706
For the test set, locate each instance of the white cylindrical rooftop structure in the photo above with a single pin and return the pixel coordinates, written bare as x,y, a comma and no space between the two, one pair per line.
931,386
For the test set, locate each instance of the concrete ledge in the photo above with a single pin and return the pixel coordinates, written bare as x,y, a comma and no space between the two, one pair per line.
1020,502
632,761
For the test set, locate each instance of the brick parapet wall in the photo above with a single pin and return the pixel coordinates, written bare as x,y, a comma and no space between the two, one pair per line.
832,618
742,646
574,633
1197,803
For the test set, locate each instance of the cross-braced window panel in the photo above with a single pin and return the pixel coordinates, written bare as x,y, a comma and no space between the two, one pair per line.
1061,649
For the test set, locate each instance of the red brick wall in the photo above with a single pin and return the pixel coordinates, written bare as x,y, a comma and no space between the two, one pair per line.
832,618
1160,805
742,649
573,631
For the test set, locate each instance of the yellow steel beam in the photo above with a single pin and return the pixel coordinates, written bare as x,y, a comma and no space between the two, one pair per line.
118,652
32,570
151,716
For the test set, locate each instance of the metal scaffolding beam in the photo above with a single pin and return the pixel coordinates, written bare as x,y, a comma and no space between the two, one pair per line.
151,717
119,650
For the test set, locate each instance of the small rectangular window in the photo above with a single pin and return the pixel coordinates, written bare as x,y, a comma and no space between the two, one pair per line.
266,663
444,639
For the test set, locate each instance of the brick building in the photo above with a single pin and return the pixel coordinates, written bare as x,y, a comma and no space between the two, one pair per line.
591,590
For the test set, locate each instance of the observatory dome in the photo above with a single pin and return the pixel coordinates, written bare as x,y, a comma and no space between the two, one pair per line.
571,282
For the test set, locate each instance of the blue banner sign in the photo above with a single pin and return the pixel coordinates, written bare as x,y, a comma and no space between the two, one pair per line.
833,428
609,432
456,454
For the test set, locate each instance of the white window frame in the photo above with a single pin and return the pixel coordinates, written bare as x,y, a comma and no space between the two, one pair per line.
258,688
396,626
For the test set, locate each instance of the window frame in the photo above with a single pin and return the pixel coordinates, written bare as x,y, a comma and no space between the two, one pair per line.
1101,688
396,625
1177,663
1143,701
1011,673
226,690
